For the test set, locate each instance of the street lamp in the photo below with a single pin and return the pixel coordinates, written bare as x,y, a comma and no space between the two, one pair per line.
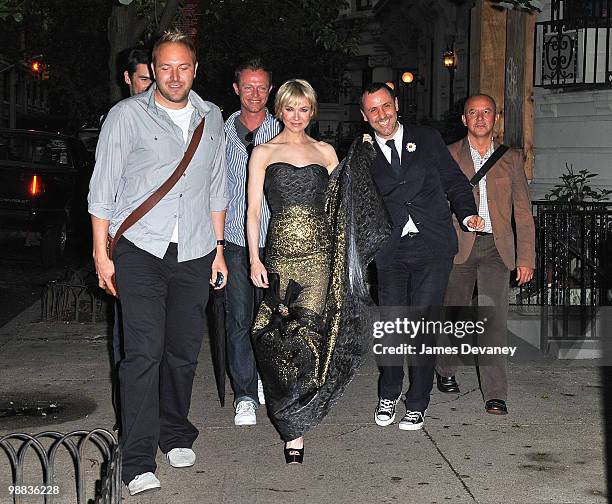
449,60
407,77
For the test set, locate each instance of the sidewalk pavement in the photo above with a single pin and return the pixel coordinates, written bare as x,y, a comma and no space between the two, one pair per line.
549,449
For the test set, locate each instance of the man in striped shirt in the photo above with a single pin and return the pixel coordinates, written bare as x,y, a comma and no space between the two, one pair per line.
250,126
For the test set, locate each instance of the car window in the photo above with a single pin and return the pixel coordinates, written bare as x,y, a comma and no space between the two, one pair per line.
80,155
89,137
32,149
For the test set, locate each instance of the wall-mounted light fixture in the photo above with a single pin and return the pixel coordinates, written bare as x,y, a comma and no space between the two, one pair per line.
449,60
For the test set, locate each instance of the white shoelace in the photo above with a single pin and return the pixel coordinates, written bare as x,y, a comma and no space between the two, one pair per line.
245,407
413,416
386,406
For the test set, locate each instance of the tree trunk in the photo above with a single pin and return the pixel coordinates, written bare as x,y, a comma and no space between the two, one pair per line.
125,29
167,17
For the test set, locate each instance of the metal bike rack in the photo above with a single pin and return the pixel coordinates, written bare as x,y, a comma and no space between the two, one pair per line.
17,445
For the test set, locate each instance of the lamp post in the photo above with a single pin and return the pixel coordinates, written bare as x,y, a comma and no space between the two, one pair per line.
407,77
449,60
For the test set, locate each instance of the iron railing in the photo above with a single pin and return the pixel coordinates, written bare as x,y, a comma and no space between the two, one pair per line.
573,48
47,445
75,299
573,277
574,255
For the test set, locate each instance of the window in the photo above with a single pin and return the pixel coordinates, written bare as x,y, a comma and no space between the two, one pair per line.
364,4
31,149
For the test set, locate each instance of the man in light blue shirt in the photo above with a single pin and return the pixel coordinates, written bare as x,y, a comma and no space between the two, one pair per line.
246,128
164,263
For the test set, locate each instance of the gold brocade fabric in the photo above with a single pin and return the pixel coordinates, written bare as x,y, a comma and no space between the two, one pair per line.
299,248
309,331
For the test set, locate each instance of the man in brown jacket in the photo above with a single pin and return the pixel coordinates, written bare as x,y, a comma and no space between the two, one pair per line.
488,256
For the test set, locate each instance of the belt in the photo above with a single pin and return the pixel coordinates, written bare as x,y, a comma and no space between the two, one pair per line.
482,233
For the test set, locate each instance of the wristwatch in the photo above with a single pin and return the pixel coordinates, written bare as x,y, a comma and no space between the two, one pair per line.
221,242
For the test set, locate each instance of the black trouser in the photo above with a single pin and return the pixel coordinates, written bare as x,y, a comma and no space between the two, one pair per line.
485,266
117,355
163,309
413,278
241,301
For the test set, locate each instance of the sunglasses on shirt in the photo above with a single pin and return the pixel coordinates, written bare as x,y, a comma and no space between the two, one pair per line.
249,138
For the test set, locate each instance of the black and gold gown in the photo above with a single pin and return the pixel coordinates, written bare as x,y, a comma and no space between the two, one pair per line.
311,329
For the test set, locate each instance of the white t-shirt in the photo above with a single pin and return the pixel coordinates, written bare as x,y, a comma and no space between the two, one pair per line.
182,118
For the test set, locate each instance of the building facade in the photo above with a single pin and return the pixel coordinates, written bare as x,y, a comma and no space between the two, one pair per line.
23,94
573,91
402,43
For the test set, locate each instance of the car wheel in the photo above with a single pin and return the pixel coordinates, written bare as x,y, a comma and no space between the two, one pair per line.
53,244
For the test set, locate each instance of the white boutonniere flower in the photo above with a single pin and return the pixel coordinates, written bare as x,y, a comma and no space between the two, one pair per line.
410,147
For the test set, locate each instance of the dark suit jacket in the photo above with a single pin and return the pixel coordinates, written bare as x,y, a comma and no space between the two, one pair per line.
428,181
507,193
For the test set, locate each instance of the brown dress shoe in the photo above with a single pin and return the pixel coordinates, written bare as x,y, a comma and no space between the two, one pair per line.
496,407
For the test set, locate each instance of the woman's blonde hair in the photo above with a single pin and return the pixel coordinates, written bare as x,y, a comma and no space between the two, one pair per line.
290,92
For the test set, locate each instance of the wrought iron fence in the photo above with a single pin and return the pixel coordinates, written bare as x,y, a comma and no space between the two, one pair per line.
46,445
574,255
573,48
573,277
75,299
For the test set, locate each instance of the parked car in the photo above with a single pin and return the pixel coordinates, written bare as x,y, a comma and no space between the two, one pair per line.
43,188
89,137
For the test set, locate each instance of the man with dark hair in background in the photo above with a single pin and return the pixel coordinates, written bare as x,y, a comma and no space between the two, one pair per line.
250,126
137,73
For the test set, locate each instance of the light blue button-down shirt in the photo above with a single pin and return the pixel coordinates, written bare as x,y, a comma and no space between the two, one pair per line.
138,149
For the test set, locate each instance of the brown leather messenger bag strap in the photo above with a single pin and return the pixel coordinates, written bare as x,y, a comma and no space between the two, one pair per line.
152,200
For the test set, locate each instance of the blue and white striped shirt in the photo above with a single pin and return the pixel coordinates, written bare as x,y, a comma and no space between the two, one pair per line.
237,158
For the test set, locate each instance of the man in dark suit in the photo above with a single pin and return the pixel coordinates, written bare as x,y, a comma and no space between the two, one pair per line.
487,257
417,178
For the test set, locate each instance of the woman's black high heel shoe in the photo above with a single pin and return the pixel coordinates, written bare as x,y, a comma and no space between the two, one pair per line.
294,455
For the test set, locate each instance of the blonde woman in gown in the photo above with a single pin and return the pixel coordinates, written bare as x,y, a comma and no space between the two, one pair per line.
309,333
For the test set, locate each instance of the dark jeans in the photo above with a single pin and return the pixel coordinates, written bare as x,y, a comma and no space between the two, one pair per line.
163,306
485,266
413,278
241,302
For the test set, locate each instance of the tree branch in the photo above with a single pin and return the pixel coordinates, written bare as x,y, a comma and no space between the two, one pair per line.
166,17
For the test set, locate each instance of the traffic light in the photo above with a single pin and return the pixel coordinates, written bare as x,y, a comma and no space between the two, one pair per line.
36,66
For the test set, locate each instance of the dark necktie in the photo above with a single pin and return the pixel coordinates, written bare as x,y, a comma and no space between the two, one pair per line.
395,160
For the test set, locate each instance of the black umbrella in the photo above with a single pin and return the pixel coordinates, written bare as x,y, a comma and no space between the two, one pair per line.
218,340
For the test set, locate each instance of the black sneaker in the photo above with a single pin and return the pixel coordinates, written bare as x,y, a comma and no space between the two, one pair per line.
384,414
412,420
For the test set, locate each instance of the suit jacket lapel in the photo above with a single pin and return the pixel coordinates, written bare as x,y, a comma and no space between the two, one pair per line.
466,163
380,167
465,160
408,157
380,152
492,175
